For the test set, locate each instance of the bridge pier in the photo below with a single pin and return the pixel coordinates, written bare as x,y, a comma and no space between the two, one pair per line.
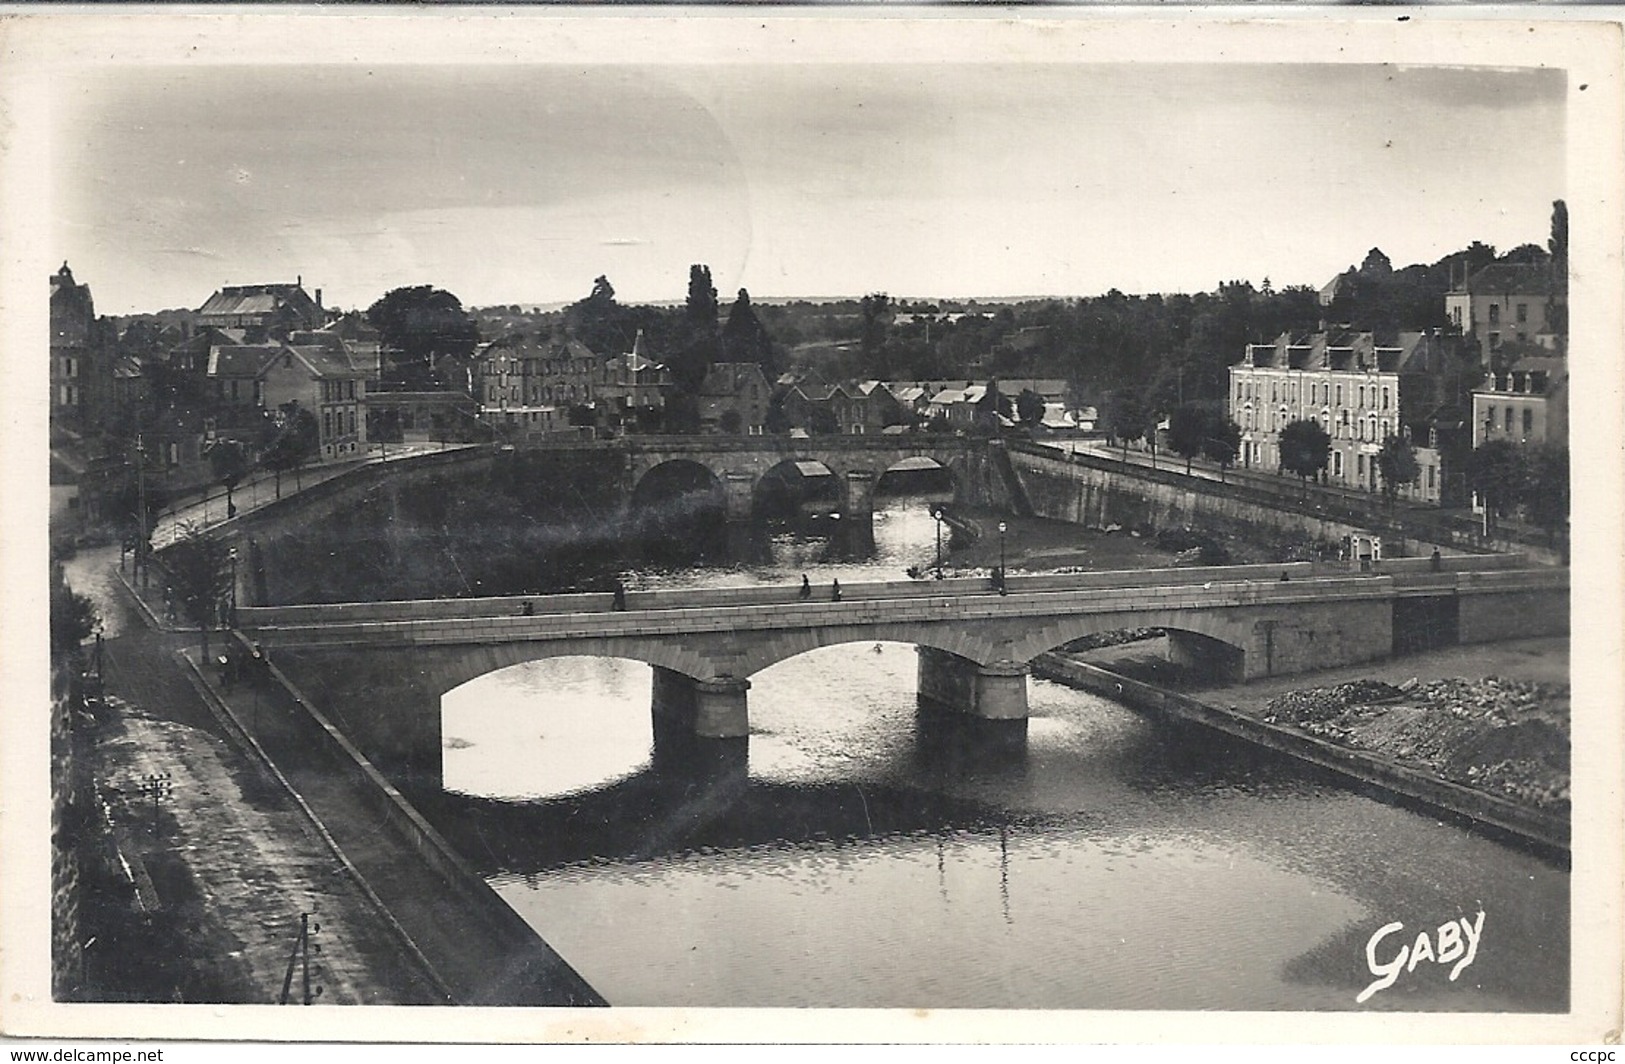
739,489
860,495
709,709
997,691
1207,657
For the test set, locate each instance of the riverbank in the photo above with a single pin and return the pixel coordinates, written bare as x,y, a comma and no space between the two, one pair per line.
200,865
1480,732
209,857
1041,544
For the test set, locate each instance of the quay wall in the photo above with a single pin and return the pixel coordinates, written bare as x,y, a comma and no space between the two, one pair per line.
1543,832
1095,492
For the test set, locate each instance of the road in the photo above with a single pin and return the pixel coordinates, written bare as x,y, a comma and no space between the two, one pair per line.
261,489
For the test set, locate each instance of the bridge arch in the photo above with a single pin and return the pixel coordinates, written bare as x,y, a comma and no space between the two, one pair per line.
679,490
455,670
1203,639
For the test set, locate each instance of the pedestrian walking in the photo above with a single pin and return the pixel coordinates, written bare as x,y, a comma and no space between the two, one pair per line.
835,591
806,587
620,596
1435,563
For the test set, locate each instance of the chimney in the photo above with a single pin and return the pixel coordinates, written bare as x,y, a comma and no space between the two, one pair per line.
318,299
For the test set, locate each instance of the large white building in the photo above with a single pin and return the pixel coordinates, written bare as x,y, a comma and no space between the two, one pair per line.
1346,382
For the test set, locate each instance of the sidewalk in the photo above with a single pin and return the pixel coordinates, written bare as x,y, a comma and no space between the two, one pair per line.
425,938
478,950
260,490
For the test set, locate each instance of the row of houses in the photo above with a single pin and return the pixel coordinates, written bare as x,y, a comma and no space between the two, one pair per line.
1499,374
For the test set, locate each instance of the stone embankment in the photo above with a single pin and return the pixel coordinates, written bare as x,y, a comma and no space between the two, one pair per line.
1507,738
1493,752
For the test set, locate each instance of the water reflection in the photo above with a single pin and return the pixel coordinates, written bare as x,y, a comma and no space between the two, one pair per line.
868,857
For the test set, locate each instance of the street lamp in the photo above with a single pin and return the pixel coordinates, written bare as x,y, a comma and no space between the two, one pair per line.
1001,557
936,515
141,505
233,599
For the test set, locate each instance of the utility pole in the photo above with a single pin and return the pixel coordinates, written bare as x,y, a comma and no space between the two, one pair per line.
300,958
141,505
159,786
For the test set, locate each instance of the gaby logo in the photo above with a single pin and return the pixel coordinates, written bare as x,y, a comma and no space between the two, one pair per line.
1457,942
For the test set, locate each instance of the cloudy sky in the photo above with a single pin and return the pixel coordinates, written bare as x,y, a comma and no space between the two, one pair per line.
521,182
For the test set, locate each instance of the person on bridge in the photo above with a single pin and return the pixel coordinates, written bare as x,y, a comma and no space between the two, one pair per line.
806,587
835,591
620,596
528,609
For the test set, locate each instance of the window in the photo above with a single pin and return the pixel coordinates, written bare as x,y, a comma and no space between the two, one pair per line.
1495,313
70,367
1528,421
1495,341
1431,472
1337,463
1385,398
1359,466
1523,313
1509,420
1339,395
1455,316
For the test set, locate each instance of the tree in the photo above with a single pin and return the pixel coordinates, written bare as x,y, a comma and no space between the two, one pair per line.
199,567
699,342
73,616
418,326
1222,443
229,461
1029,408
1397,464
1188,427
1305,447
297,441
1125,417
1376,264
745,338
1495,475
1557,306
876,310
1545,490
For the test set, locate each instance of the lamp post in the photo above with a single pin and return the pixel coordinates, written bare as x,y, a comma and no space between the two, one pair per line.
1001,557
936,515
141,506
233,599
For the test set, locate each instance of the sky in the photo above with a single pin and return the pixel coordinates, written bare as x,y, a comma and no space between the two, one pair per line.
522,182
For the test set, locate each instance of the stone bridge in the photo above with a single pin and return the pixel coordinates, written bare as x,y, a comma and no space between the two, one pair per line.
381,668
738,463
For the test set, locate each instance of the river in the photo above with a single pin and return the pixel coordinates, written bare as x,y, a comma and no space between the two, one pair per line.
864,860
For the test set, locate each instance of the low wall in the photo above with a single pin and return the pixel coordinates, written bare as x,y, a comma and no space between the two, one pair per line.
1097,492
779,594
1544,832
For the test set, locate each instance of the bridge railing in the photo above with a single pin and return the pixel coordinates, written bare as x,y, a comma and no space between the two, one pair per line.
979,604
1135,604
789,593
762,595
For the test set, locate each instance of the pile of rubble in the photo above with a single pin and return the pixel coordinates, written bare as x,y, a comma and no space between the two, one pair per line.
1505,737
